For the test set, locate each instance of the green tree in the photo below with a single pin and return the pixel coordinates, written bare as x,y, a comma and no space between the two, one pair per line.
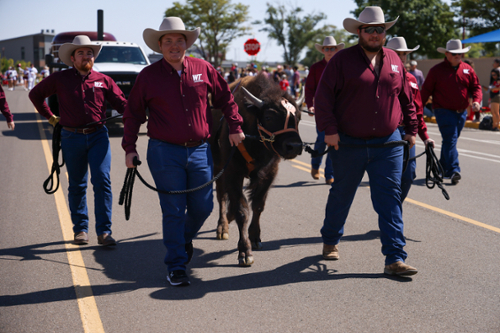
291,29
312,55
220,22
428,23
479,17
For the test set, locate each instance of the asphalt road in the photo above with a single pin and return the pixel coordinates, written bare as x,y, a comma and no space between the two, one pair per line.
49,285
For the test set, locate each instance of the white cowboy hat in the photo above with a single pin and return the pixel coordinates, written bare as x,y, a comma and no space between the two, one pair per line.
453,46
170,25
399,44
328,41
79,41
371,15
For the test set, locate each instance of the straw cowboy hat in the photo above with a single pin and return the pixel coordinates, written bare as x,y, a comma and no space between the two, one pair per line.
371,15
170,25
453,46
79,41
329,41
399,44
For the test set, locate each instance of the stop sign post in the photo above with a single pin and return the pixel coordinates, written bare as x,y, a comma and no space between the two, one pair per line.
252,46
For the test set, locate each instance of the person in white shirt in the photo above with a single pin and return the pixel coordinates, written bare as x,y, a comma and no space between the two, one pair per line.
32,72
12,75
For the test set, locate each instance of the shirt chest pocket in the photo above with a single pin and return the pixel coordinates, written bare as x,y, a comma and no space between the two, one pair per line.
194,90
94,96
394,83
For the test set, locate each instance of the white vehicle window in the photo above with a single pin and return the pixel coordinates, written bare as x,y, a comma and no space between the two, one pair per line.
121,54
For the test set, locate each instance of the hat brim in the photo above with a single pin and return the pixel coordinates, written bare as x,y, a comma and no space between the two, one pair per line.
151,37
351,25
443,50
320,47
404,50
67,49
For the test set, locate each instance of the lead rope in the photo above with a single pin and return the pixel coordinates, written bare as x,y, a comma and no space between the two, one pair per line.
48,184
433,169
128,184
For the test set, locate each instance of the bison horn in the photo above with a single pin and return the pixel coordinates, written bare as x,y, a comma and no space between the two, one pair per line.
301,98
252,99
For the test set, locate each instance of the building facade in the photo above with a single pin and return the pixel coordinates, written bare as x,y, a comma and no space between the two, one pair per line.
30,48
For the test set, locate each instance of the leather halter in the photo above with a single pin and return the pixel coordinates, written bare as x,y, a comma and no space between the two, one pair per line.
290,109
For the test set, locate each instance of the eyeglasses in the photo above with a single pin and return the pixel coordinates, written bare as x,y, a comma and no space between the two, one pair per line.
370,30
327,49
455,54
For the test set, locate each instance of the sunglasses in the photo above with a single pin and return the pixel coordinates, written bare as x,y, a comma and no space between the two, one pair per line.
454,54
329,48
370,30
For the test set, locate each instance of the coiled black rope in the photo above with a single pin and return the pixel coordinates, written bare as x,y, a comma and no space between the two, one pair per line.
128,184
48,184
434,171
53,179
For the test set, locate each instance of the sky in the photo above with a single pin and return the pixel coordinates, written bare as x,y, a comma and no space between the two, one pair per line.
127,19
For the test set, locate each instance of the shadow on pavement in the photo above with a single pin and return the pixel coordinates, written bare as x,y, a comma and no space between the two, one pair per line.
137,263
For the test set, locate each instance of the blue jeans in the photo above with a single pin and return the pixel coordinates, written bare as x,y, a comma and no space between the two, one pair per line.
320,147
409,175
175,168
81,152
384,166
450,125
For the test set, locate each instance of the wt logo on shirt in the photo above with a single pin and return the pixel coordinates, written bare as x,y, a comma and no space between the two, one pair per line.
466,71
395,68
98,84
197,78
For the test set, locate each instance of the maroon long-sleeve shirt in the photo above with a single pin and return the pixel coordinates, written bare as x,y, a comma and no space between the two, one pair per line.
312,81
178,105
82,99
352,99
450,88
417,100
4,107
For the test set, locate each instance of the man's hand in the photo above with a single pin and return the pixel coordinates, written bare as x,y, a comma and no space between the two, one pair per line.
235,139
411,139
333,140
129,159
53,120
429,142
11,125
476,107
311,110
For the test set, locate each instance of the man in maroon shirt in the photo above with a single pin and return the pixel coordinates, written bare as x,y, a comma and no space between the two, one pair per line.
329,48
175,90
82,95
398,44
361,99
450,83
4,108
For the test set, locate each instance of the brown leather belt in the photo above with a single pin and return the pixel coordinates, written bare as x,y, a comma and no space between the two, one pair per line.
88,130
192,143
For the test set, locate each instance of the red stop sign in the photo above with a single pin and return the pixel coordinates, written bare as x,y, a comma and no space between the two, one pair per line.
252,46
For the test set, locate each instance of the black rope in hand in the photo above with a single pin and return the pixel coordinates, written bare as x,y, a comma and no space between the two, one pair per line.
434,171
405,144
128,184
53,179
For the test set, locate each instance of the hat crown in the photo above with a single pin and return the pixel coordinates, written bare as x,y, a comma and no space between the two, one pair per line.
454,44
372,14
172,23
329,41
397,43
82,40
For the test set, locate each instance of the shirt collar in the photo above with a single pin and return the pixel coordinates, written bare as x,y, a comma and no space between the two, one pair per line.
83,77
170,68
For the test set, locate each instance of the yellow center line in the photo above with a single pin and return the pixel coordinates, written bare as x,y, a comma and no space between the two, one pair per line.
91,320
421,204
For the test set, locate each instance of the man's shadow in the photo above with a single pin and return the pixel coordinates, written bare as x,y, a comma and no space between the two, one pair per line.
138,263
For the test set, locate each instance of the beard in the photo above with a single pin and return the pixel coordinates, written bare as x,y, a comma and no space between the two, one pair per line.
85,67
364,44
